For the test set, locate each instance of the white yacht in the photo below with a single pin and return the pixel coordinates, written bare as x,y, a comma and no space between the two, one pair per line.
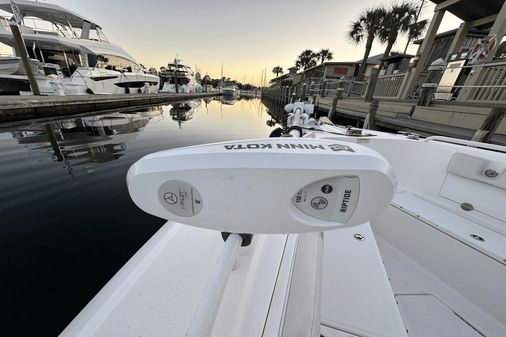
9,64
353,233
229,88
89,63
180,75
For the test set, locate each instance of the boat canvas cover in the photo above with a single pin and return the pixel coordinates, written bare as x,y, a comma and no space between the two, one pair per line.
48,12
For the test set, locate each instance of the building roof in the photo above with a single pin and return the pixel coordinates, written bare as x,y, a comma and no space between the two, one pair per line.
280,77
469,10
398,56
48,12
474,32
375,59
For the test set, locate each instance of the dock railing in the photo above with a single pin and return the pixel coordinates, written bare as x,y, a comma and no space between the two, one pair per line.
489,87
389,86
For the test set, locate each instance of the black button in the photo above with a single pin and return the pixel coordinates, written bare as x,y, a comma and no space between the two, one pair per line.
327,189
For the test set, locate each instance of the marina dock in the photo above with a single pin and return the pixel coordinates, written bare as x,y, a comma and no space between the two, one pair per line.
16,108
351,102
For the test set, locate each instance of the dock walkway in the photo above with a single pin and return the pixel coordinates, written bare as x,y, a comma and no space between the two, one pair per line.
441,118
16,108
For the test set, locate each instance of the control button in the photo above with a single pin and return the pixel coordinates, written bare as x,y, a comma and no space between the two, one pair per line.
170,198
319,203
327,189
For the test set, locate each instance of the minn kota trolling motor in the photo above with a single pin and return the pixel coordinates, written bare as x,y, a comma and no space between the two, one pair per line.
262,186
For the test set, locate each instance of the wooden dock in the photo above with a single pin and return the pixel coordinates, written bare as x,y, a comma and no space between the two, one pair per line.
451,119
16,108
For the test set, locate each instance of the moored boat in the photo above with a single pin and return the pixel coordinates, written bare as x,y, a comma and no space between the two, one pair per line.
353,232
9,64
89,63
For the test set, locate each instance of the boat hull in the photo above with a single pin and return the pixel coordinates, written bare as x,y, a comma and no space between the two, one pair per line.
9,65
102,81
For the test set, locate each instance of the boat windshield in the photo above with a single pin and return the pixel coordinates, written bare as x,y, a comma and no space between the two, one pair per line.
112,62
34,25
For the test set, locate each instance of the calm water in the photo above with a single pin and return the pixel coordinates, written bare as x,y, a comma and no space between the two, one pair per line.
67,223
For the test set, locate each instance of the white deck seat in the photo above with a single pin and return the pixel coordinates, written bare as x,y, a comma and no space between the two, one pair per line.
357,298
465,230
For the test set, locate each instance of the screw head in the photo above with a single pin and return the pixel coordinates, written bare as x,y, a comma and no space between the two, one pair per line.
466,206
477,237
359,237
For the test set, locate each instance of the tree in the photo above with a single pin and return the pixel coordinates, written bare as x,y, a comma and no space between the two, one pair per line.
307,59
400,19
366,27
277,70
418,28
325,55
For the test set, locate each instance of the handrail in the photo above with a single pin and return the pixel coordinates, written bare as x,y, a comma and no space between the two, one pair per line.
392,75
470,143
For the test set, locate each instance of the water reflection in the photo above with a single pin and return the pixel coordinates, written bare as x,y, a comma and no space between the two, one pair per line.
183,112
228,100
85,141
67,223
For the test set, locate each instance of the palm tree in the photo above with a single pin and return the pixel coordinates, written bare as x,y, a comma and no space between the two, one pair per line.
400,19
417,30
277,70
325,55
307,59
366,27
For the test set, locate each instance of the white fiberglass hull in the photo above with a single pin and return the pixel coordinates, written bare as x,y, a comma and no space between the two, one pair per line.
9,65
418,267
171,88
229,91
102,81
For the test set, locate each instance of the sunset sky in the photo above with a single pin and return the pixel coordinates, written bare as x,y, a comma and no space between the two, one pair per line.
248,36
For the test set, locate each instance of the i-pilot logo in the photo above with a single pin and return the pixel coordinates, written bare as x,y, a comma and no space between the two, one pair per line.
291,146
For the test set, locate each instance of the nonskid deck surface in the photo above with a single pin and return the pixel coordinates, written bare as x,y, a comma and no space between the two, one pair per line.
157,292
429,307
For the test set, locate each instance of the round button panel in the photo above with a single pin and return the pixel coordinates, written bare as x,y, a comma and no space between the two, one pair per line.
332,199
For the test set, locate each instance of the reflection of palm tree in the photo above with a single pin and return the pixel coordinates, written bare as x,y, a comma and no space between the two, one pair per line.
366,27
325,55
307,59
277,70
400,19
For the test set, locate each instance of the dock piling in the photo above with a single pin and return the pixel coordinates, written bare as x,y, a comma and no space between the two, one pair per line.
303,93
20,48
490,125
372,85
339,95
371,115
429,87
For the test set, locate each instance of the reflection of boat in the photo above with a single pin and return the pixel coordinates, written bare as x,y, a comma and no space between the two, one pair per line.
228,100
249,94
9,64
183,75
81,141
89,63
229,88
182,112
428,261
